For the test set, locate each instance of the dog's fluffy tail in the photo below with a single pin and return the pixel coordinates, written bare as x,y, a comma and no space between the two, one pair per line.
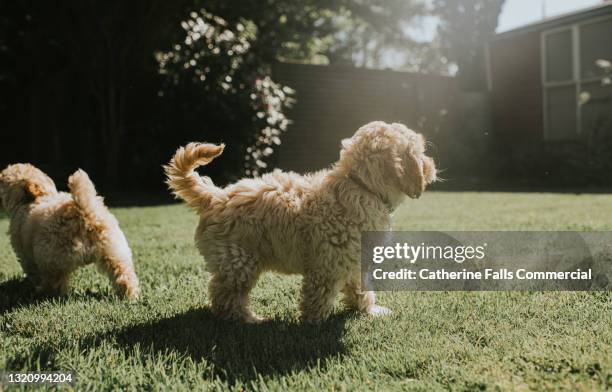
84,194
198,192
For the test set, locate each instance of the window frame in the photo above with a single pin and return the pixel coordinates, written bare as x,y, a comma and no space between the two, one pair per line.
576,79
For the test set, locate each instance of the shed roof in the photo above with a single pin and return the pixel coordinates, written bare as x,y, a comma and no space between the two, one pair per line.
559,20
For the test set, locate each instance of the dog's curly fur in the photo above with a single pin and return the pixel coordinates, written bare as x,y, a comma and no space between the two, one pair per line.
309,225
53,233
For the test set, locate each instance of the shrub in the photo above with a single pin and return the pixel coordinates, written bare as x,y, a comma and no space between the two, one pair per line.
226,92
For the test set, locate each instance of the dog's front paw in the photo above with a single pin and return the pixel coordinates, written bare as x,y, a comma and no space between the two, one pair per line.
133,295
129,292
310,319
379,311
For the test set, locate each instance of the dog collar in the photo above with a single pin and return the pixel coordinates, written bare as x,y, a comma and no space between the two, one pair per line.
363,186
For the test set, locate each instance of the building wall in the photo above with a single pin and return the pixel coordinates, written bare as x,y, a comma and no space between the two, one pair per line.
516,88
333,102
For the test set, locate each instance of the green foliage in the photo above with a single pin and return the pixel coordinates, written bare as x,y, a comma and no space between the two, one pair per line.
596,159
79,81
76,80
606,66
367,30
213,60
433,341
355,32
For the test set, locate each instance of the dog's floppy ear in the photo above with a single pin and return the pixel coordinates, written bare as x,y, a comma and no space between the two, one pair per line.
410,175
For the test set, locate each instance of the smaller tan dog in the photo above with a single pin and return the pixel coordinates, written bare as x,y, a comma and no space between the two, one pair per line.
54,233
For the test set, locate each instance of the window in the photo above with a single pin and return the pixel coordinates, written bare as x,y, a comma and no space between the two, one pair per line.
559,65
569,56
595,44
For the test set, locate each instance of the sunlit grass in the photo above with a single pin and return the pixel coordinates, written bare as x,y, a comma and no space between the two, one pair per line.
434,341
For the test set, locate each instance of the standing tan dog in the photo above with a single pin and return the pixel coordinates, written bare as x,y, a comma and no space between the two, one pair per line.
309,225
53,233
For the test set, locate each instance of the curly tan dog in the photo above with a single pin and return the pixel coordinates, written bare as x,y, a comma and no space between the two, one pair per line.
309,225
53,233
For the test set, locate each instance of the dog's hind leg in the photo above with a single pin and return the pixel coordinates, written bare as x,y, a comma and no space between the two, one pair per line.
31,270
234,274
319,291
362,301
120,271
54,283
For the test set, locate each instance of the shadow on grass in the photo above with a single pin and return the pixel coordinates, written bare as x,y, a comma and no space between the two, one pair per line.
240,351
17,292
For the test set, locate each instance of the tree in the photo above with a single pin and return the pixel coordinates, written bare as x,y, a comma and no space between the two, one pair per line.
79,81
466,25
92,50
367,30
352,32
213,64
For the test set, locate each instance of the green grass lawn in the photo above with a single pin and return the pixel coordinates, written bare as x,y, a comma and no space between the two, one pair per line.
434,340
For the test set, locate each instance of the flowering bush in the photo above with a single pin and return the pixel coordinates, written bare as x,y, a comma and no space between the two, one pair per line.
606,66
229,83
593,159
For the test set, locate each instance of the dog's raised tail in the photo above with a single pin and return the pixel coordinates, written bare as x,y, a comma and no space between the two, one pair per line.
198,192
84,194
